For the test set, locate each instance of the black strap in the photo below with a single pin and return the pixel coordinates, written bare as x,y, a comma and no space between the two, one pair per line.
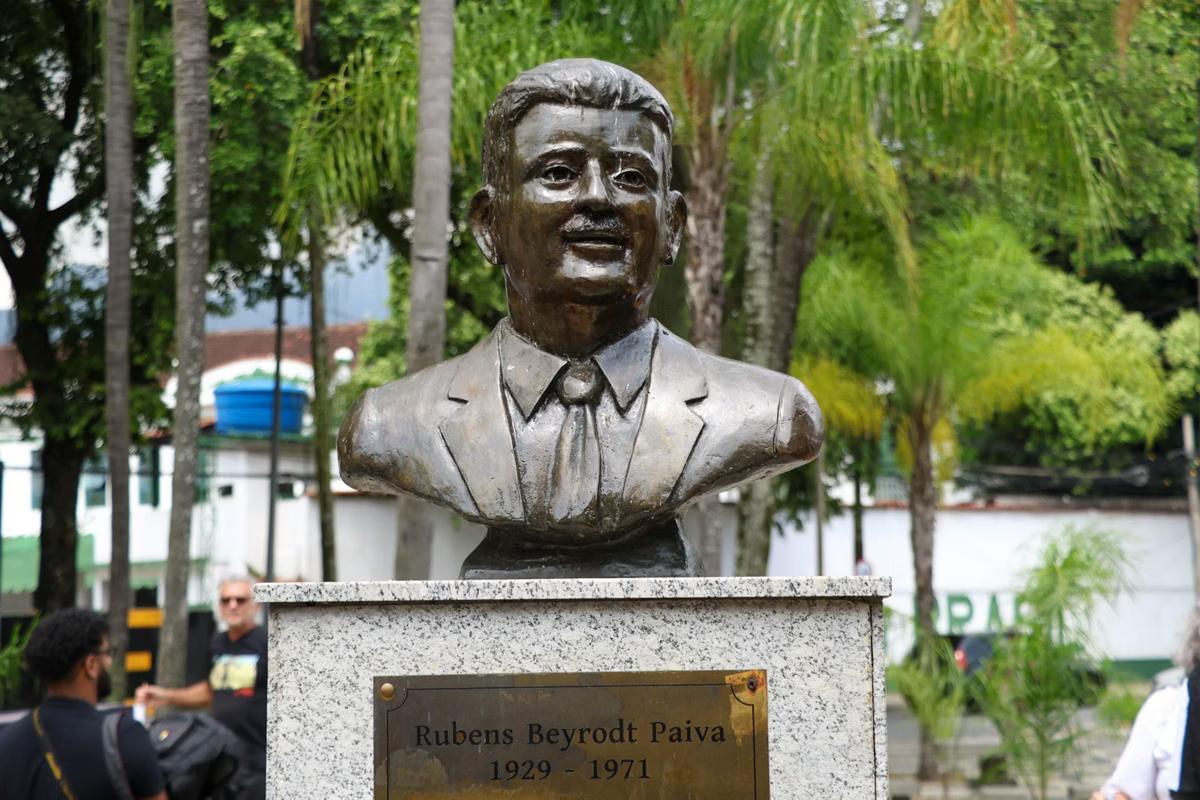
112,757
48,752
1189,768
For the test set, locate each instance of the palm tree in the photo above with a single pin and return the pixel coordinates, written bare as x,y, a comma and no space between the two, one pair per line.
947,343
430,254
118,175
306,28
190,24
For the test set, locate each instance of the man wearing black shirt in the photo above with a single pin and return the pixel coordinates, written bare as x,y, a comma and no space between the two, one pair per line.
57,751
236,687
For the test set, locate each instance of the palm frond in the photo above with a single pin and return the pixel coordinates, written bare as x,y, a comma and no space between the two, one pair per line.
354,143
848,400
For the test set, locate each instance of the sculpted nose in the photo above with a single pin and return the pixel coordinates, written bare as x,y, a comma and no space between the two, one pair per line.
593,192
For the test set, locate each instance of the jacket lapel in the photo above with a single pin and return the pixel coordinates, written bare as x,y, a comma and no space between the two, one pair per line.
478,435
669,425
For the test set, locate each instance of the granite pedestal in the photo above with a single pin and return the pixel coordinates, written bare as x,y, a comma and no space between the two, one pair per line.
820,640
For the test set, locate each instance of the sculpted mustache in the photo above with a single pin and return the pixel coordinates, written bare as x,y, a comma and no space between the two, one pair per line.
585,226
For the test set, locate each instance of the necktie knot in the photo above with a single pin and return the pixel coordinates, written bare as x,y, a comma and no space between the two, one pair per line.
579,383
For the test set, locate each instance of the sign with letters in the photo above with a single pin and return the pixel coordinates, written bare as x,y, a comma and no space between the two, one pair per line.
599,735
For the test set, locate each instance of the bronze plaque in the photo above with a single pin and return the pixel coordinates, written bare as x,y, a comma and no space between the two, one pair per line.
699,735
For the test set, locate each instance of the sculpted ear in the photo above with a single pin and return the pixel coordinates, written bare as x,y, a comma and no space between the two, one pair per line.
677,215
483,214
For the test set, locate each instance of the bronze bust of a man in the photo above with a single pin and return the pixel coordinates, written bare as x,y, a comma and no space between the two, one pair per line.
579,429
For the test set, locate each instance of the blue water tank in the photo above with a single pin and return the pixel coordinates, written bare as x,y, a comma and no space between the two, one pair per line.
245,406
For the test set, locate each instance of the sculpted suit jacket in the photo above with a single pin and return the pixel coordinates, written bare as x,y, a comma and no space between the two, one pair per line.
709,423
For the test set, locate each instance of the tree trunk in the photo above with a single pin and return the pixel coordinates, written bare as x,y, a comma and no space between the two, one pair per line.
190,24
62,464
857,453
795,249
771,298
322,414
818,467
713,113
1189,432
1193,498
704,268
757,504
118,169
922,505
431,188
913,17
430,248
306,24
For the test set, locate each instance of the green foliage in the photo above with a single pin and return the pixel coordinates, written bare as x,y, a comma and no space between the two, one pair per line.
1032,687
1119,706
850,403
933,686
1030,691
1121,396
354,143
984,329
10,662
1181,350
1079,569
1149,93
1145,262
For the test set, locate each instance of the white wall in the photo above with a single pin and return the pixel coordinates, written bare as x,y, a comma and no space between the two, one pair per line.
980,554
366,539
229,531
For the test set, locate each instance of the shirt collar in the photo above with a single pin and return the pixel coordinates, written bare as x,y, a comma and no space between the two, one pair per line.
529,372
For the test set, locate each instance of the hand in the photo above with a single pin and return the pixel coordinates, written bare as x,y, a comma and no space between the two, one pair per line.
1117,796
151,695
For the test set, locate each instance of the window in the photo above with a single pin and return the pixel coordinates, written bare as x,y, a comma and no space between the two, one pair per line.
149,476
95,482
35,479
204,469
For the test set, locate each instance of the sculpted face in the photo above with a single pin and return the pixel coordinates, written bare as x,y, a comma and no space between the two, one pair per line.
586,216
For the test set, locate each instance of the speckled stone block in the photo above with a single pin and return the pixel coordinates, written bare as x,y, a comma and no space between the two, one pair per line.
820,639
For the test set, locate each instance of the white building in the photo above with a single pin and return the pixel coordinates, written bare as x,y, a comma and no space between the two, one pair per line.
980,554
229,528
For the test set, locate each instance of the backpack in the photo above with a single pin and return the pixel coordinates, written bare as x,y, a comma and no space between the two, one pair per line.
196,754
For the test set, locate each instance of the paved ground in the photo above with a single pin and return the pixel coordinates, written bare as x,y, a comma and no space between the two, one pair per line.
977,738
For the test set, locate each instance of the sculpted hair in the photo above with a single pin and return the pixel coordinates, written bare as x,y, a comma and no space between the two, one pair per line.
62,640
582,82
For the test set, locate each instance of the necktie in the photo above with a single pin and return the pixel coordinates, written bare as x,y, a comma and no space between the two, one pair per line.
575,473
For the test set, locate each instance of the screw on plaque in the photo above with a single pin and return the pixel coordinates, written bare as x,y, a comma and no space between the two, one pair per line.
752,684
387,691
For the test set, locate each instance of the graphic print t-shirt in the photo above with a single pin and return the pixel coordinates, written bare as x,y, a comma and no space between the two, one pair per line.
239,685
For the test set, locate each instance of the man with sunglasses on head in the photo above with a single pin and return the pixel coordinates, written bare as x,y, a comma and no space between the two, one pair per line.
236,687
57,750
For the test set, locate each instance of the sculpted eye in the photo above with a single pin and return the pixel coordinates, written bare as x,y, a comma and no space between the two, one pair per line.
558,174
630,178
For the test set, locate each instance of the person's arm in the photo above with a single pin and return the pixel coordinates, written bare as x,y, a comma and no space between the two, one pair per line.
1136,771
160,796
198,695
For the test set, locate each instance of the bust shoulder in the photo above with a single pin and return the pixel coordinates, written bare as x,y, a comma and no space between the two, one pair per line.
801,428
391,431
761,393
757,423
